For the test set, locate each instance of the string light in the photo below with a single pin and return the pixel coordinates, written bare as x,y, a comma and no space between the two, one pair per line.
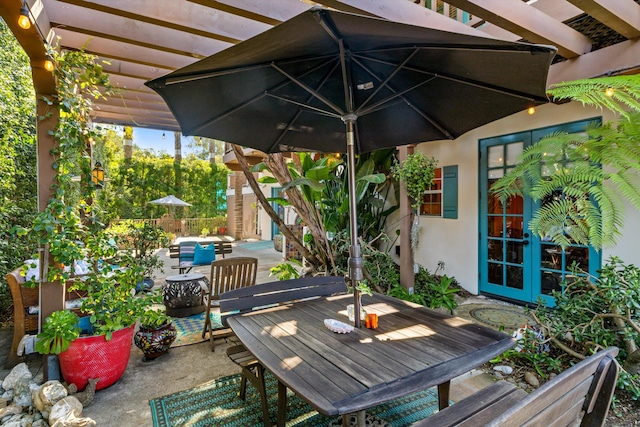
48,63
23,20
163,136
531,110
609,92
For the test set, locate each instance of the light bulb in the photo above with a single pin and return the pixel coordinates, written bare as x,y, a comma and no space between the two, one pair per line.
23,20
531,110
48,64
609,92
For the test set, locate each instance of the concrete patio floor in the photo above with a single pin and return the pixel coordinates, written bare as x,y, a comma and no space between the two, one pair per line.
126,403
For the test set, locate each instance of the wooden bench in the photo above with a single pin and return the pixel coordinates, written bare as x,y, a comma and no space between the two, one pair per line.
245,300
584,390
184,252
24,321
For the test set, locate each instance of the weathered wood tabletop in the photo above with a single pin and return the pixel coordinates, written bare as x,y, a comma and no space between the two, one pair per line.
414,348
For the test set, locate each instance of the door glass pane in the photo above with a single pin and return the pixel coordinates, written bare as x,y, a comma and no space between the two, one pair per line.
514,252
551,256
515,205
513,151
495,249
495,173
515,227
495,274
550,281
578,255
494,226
494,205
515,277
495,156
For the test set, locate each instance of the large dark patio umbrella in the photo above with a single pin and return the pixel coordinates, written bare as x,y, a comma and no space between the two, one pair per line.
336,82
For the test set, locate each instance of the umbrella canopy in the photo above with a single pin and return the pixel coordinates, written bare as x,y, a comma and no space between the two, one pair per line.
335,82
170,200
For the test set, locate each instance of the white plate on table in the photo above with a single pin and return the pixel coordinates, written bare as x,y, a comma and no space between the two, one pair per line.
337,326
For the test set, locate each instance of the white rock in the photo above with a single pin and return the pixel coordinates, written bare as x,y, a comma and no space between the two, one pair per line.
15,421
507,370
64,408
22,390
3,402
19,371
49,394
10,410
40,423
7,395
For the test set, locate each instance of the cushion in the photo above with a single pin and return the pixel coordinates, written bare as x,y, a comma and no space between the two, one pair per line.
202,255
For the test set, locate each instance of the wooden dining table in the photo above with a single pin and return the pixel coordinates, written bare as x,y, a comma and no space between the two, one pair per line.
413,348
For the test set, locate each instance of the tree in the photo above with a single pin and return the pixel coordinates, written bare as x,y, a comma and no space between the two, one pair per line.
583,180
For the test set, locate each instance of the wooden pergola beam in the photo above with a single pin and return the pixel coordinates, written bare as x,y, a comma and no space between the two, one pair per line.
622,16
529,23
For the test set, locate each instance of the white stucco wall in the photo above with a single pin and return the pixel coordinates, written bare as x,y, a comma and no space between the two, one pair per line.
455,241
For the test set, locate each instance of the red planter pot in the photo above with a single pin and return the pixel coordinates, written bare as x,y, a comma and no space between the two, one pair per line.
95,357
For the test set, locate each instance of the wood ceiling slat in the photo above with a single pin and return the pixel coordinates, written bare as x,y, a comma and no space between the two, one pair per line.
622,16
96,23
528,22
122,51
267,12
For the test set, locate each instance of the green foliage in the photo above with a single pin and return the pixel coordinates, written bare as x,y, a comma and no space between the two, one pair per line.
417,173
17,158
583,180
58,331
286,270
437,290
402,293
141,238
205,232
595,313
620,94
153,318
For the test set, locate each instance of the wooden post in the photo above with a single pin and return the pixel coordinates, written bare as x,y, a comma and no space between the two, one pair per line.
407,276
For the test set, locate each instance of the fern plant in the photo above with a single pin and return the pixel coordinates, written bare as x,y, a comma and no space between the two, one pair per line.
584,180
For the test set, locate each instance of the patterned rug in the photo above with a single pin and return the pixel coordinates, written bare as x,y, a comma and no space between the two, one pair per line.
504,318
190,328
216,403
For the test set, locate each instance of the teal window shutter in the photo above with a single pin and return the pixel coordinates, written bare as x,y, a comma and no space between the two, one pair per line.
450,192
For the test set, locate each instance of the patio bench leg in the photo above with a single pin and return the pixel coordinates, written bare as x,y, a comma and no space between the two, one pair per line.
443,395
262,389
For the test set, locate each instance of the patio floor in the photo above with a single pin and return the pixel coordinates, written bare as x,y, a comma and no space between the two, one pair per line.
126,402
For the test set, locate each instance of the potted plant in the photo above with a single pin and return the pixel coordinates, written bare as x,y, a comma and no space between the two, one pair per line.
77,249
156,333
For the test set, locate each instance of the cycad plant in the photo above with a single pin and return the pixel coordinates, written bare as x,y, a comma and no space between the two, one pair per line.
584,179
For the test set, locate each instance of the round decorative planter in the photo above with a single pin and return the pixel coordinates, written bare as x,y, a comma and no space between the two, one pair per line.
154,342
95,357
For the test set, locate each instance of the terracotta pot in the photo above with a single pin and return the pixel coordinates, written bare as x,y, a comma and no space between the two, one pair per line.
154,342
95,357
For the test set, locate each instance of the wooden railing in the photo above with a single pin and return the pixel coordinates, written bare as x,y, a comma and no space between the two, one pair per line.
187,226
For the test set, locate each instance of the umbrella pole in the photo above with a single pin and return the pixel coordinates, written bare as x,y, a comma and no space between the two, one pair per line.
355,260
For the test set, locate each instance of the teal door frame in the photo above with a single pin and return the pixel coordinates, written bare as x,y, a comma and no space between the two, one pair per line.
542,265
276,207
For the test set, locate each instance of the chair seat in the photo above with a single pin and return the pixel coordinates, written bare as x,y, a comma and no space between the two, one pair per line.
241,356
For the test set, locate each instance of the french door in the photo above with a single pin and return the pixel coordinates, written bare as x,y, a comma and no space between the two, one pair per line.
513,263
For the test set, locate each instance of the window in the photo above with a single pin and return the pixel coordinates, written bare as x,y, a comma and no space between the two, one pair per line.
441,198
432,199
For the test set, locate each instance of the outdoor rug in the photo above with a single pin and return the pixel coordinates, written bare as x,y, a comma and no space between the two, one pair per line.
190,328
504,318
216,403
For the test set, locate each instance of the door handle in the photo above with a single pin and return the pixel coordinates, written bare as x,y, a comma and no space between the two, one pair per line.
526,235
525,242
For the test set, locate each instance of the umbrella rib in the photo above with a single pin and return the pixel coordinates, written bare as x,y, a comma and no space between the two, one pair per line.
295,117
206,75
321,98
424,115
489,87
302,104
250,101
389,77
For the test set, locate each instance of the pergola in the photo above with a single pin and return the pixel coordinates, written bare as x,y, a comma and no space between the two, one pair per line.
143,39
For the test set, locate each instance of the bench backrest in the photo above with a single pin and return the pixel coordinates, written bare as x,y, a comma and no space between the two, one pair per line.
587,386
185,250
244,300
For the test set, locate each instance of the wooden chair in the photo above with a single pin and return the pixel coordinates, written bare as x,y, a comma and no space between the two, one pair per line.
584,390
24,321
227,275
258,297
